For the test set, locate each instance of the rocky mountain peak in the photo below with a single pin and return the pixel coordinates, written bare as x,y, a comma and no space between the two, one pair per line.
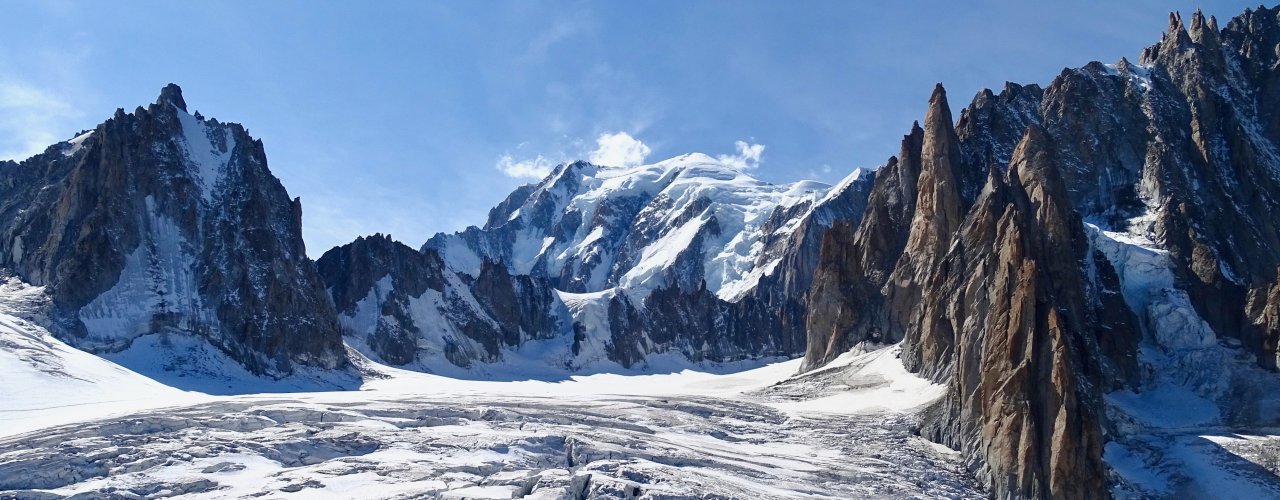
1172,42
1031,164
998,317
937,212
938,200
1203,31
160,223
1057,226
172,94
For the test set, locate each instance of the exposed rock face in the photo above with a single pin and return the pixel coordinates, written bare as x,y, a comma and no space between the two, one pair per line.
608,264
868,285
845,303
1264,322
1009,303
936,217
404,304
1125,239
354,270
158,221
1186,139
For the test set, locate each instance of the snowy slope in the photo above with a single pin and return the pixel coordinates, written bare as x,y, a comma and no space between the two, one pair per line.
158,279
736,435
47,382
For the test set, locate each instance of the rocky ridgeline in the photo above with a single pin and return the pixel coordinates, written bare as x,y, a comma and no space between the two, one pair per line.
1061,243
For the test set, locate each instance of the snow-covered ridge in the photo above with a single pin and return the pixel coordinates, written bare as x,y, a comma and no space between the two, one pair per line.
1139,74
629,227
597,267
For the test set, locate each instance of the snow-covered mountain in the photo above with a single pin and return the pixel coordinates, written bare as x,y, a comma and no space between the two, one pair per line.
164,232
595,264
683,221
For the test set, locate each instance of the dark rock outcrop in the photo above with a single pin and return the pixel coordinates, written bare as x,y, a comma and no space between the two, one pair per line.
845,304
158,221
405,304
1263,309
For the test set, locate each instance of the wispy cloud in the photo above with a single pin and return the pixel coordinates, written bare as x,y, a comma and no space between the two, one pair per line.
820,173
533,168
559,30
31,119
619,149
748,156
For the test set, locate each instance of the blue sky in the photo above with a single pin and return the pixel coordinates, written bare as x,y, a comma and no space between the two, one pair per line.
415,117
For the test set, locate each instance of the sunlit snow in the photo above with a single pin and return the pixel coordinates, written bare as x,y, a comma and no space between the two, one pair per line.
724,430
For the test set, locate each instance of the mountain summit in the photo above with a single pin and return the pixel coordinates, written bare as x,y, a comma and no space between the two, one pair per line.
598,266
159,227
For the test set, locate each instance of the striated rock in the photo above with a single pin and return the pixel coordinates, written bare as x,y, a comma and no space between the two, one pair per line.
157,221
937,216
1129,245
1009,306
938,204
1263,310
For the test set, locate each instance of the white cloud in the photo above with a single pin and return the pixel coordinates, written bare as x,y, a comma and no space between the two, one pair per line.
535,168
747,158
31,120
619,150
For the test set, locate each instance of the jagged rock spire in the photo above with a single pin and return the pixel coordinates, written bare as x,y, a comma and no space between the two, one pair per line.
938,201
937,213
909,156
1000,315
845,301
218,228
172,94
